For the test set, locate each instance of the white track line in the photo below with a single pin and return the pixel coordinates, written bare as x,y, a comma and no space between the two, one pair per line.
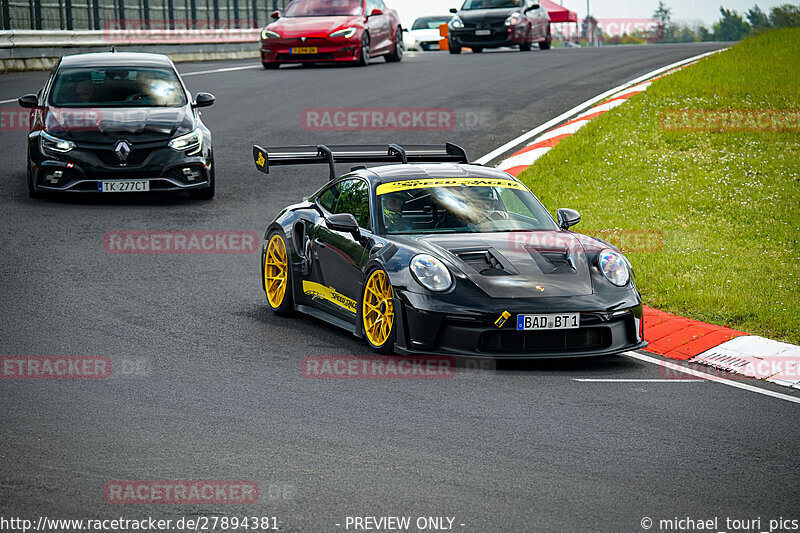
715,379
581,107
599,380
217,70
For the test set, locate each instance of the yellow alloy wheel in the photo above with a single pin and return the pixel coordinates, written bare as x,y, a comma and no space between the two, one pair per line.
276,271
378,309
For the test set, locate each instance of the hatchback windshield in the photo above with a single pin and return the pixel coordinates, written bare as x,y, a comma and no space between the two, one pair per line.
490,4
463,208
323,8
430,23
117,87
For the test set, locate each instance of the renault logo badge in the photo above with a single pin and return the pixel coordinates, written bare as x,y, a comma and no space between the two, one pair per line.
123,150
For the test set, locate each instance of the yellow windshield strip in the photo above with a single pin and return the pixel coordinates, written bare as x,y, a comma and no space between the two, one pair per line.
395,186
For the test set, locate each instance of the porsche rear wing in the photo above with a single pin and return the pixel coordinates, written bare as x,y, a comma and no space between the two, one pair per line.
330,155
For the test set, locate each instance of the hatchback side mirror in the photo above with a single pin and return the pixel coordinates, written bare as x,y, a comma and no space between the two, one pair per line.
204,100
275,15
376,12
453,10
29,101
345,223
568,218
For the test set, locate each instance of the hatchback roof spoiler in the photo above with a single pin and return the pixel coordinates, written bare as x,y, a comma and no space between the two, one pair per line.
330,155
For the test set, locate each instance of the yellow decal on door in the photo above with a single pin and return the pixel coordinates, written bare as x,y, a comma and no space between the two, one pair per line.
329,294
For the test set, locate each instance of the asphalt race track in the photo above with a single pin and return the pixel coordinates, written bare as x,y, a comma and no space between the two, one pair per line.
210,385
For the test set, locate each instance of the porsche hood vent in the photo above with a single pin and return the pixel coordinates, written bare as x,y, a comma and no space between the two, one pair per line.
487,262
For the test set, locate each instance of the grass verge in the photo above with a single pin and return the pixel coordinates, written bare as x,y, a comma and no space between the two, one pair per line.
726,203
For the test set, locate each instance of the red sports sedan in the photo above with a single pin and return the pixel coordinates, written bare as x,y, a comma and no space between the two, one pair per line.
317,31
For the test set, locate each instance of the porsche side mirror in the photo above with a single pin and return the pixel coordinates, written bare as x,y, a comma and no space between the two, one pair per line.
29,101
568,218
345,223
535,6
376,12
275,15
204,100
453,10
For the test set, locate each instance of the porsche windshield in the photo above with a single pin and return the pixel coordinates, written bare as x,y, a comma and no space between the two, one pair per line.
117,87
490,4
461,209
323,8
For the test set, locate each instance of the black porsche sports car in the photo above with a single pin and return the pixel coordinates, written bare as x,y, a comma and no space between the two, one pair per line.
118,122
432,255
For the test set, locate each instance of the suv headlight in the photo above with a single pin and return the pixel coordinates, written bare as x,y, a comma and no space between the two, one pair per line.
614,267
54,144
346,33
456,23
269,34
431,273
514,18
191,143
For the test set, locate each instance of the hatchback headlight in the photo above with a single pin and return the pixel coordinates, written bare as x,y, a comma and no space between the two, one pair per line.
269,34
614,267
514,18
456,23
54,144
191,143
431,273
346,33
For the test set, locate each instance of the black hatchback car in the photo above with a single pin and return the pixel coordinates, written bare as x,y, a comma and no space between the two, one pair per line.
483,24
115,123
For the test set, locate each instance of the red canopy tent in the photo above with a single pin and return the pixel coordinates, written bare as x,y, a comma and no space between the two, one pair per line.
558,13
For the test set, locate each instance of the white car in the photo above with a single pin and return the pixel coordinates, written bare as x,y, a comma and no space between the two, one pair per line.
424,33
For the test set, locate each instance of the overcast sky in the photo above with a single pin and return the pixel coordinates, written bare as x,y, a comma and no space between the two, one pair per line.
707,11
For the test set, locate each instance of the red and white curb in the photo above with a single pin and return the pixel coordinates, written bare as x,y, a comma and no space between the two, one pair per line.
669,335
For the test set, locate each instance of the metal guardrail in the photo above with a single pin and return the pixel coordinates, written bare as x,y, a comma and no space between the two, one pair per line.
148,14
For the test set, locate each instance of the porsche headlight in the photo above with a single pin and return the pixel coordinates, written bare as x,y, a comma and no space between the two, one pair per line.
191,143
431,273
269,34
54,144
614,267
456,23
346,33
514,18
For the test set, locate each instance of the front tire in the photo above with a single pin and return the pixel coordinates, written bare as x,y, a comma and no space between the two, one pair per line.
525,47
364,51
477,50
32,192
547,43
278,276
271,66
378,320
397,54
208,192
454,49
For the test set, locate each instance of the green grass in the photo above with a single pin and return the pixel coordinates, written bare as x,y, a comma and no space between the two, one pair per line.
728,204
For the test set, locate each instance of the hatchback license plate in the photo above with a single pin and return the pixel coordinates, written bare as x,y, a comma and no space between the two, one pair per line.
481,33
124,186
548,321
305,50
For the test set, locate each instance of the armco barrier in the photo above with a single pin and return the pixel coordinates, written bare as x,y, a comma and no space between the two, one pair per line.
37,50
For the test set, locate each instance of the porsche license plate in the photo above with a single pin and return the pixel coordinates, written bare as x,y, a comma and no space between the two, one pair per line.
124,186
481,33
548,321
305,50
